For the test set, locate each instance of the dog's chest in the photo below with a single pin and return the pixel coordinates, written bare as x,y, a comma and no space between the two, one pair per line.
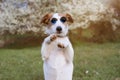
57,55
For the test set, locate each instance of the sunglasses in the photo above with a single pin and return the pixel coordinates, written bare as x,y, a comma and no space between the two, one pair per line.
62,19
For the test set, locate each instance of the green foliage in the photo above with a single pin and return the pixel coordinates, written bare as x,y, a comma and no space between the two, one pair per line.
91,62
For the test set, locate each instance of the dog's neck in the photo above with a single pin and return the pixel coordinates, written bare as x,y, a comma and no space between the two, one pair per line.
60,36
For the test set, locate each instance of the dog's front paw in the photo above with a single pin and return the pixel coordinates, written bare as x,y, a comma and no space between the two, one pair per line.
50,38
60,45
53,37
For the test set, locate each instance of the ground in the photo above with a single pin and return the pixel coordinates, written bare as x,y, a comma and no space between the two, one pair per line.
91,62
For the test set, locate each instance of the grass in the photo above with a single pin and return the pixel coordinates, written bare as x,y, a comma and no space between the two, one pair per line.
91,62
97,62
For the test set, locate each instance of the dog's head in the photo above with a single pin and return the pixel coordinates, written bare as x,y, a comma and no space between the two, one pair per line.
57,23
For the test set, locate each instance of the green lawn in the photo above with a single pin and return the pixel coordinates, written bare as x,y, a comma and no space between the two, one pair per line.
91,61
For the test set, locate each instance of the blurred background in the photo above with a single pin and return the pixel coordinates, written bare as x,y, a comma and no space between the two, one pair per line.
94,20
95,35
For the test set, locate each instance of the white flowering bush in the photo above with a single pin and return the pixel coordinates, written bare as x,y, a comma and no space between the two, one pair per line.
20,16
87,11
16,17
23,16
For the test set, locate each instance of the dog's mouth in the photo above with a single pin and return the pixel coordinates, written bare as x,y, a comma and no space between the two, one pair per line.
59,32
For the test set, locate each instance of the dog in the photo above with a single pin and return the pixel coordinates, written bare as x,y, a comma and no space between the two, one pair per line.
57,51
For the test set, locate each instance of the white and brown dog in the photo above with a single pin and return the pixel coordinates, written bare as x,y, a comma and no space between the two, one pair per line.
57,52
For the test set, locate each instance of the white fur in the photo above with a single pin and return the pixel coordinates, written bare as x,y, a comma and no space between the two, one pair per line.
52,29
58,62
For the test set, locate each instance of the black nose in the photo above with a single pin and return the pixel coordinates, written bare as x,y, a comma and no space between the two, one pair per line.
59,28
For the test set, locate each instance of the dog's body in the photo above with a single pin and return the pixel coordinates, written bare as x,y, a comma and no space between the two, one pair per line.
57,52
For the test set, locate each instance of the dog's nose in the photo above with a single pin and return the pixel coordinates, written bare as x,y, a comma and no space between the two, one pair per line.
59,28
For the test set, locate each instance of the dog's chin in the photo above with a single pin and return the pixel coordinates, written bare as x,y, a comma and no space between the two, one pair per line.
59,34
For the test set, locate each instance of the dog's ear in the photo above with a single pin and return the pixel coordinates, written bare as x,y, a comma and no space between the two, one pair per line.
69,18
46,18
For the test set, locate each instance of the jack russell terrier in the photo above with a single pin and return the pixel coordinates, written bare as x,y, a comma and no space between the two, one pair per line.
57,51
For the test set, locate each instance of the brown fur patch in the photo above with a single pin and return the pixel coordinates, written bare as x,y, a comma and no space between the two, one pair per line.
69,18
46,18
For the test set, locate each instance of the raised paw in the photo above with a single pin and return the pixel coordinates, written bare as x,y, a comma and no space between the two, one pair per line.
53,37
61,45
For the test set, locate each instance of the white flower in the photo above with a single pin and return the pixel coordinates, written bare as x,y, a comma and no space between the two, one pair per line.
86,71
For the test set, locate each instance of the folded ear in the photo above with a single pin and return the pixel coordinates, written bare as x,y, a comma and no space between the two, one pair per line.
69,18
46,18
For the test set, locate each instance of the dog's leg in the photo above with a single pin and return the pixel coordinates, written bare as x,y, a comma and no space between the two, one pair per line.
68,50
69,53
45,46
